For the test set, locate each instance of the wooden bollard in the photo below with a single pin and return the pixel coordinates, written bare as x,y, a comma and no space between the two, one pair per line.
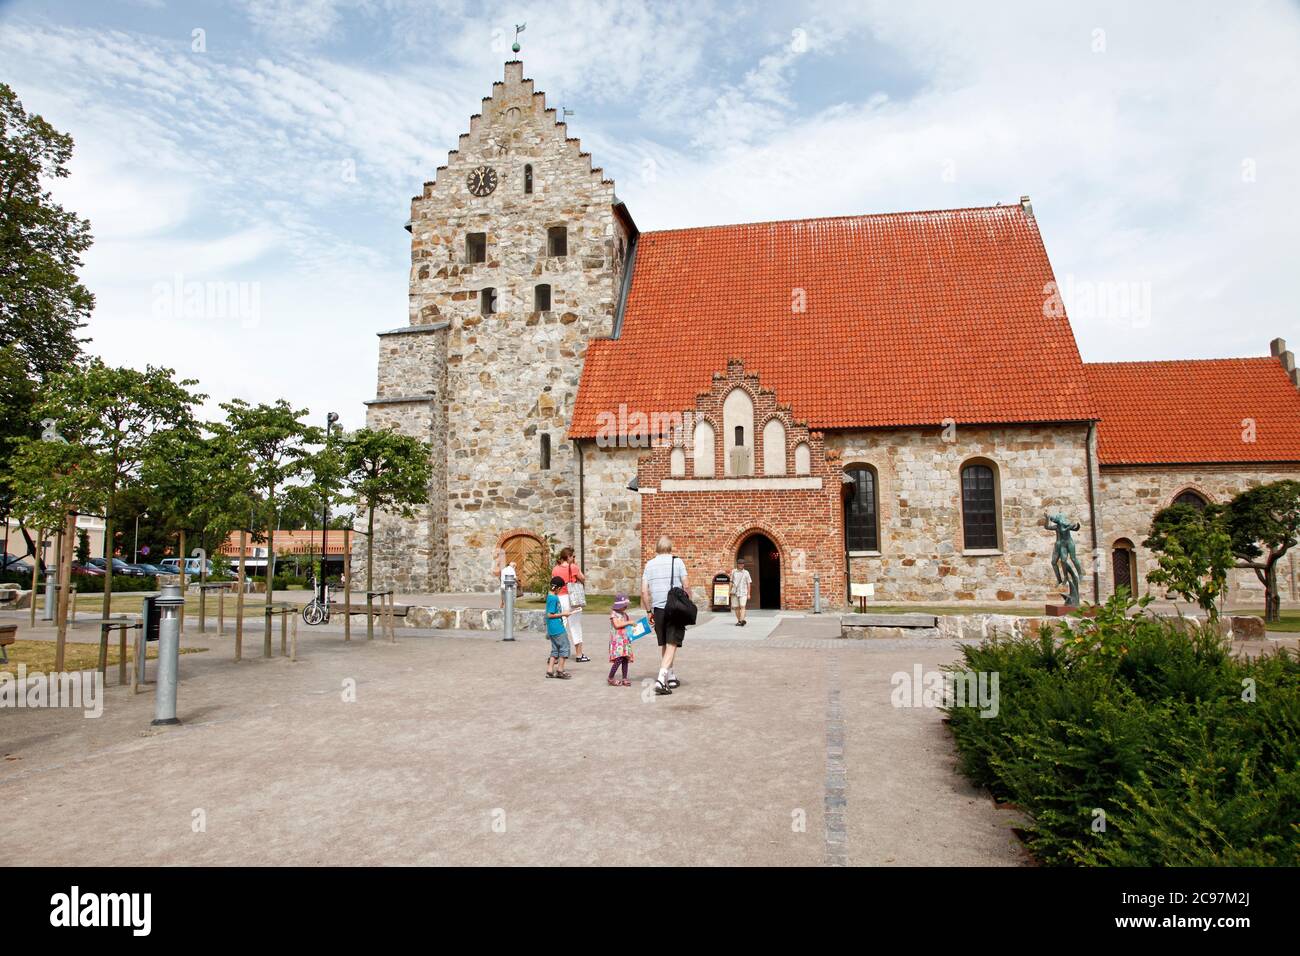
293,656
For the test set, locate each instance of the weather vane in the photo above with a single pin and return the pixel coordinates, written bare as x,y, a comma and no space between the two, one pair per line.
519,28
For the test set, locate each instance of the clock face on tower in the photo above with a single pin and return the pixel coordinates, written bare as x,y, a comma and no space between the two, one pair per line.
482,180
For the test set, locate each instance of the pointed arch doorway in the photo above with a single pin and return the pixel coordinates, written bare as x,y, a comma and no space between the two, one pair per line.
763,559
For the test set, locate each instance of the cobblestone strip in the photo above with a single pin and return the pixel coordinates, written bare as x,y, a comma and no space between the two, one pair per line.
837,844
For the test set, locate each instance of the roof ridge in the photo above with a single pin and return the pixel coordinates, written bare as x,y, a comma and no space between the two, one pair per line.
1008,207
1189,361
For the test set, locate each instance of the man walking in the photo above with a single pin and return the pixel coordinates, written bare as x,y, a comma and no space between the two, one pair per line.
662,573
740,582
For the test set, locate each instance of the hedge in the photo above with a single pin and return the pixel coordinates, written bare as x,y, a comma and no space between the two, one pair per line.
1192,754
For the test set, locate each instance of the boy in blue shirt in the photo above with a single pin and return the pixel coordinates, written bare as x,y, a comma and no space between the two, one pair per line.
555,630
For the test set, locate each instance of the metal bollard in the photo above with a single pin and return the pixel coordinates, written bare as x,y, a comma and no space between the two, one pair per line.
817,593
47,613
172,606
509,620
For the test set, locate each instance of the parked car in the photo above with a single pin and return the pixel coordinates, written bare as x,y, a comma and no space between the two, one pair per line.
119,567
87,570
193,567
15,564
151,570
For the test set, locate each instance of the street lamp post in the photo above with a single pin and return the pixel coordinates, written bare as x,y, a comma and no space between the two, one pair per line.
135,548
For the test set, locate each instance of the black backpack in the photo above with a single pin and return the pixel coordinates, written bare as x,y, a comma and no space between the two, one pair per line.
679,610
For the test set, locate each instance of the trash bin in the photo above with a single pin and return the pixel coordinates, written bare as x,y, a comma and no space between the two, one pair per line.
721,592
152,617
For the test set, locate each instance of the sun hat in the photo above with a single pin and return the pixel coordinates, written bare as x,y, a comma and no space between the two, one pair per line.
621,602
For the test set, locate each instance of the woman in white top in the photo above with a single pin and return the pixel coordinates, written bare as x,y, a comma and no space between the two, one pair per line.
740,583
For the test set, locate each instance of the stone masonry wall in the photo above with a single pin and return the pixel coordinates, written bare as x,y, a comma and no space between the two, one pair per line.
1040,469
612,538
410,554
1131,496
512,376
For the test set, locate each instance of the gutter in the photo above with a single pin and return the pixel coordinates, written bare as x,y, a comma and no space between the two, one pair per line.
582,508
1092,516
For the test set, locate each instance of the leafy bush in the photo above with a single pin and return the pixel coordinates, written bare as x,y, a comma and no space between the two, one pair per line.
86,584
1192,754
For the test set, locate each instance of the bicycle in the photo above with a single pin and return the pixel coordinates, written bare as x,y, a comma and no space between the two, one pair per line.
317,611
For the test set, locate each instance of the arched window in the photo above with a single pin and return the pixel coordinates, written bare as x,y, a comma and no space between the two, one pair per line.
546,452
677,463
1123,565
861,529
542,298
802,459
774,447
702,450
979,507
1192,499
557,241
528,178
738,422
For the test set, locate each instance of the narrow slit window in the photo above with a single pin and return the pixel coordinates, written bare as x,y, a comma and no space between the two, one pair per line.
740,436
528,178
542,298
557,241
487,302
476,247
546,452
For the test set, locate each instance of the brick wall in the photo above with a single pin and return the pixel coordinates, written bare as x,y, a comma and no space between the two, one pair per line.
709,518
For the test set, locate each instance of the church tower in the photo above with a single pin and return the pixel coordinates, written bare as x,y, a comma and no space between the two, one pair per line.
517,261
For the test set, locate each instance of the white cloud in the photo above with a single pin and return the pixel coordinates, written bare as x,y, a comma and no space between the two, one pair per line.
288,158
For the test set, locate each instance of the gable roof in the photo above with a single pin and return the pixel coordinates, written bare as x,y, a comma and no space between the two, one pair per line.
1195,411
910,319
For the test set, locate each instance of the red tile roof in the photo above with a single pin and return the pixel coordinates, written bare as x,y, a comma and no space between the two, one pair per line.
911,318
1195,411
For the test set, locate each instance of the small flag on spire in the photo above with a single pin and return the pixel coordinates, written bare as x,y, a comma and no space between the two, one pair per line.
519,28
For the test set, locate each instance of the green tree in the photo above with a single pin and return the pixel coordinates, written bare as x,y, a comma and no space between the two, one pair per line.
115,414
83,545
1264,524
17,402
273,443
42,303
46,483
1193,553
384,471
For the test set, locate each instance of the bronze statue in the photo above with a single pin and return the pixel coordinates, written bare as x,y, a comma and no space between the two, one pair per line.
1065,561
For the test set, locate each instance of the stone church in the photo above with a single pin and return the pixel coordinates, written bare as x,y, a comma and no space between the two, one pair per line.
893,399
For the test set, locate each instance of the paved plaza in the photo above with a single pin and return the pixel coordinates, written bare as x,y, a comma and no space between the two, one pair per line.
781,747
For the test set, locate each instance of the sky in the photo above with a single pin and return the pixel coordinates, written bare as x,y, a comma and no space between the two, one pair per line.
262,153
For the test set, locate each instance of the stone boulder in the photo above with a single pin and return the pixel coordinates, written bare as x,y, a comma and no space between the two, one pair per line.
1247,628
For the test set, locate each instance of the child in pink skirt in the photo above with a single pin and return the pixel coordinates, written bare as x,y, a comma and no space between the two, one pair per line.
620,648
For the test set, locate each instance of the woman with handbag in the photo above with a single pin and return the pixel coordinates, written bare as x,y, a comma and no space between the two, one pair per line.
573,596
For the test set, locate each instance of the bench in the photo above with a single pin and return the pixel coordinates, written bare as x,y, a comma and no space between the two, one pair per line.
8,634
